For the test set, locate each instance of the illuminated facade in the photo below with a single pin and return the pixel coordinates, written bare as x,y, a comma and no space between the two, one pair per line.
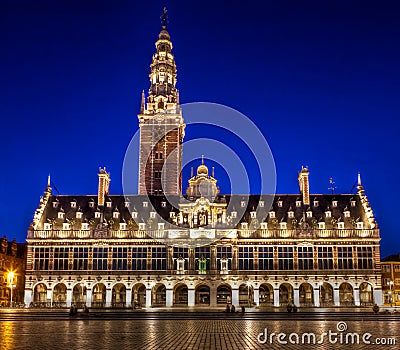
108,250
391,279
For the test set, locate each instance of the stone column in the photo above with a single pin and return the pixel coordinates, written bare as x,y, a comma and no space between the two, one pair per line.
356,297
49,296
169,297
108,297
378,297
296,297
128,297
88,297
336,297
276,297
191,297
28,297
235,296
69,297
257,296
148,298
317,302
213,296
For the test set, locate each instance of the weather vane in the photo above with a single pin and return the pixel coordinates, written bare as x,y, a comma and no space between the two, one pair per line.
164,18
332,187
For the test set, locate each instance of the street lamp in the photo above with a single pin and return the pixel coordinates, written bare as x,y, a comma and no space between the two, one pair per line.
10,280
248,292
390,292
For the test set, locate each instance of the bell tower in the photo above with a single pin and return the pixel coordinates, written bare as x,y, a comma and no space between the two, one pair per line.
161,124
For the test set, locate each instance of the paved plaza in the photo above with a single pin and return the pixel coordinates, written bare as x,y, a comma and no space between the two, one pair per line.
159,331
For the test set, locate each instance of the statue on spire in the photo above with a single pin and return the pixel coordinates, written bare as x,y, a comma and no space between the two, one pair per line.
164,18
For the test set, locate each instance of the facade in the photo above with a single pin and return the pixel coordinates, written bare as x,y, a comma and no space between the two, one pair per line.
159,248
391,280
12,271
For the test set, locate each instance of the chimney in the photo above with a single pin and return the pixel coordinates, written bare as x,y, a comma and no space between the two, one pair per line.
104,185
304,185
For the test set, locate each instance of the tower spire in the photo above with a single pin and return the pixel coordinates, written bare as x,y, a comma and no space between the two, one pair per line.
164,18
142,103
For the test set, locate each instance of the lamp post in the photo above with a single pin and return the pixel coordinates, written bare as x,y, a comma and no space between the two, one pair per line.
10,280
248,292
390,292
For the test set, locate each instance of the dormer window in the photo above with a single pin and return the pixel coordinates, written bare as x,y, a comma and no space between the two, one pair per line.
328,214
163,204
244,225
280,203
264,226
334,204
85,226
309,213
243,204
316,203
97,215
346,214
353,203
321,225
290,214
127,204
234,214
272,214
298,204
122,226
73,204
108,204
283,225
261,203
66,226
55,204
360,225
91,204
171,214
340,225
253,214
115,214
160,226
145,204
134,214
153,214
47,226
142,226
79,215
60,215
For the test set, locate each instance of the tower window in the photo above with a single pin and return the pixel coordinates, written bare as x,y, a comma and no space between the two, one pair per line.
158,155
157,174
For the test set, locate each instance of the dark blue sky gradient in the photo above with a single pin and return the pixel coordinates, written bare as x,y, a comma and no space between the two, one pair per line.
321,79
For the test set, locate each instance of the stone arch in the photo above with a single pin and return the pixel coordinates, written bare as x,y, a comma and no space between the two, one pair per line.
366,294
266,294
346,295
246,294
40,295
306,294
79,295
202,294
224,294
60,295
118,295
138,295
159,295
180,294
285,293
326,294
99,295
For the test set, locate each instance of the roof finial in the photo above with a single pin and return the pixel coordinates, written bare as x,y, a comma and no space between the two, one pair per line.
212,174
142,103
48,181
202,159
359,179
164,18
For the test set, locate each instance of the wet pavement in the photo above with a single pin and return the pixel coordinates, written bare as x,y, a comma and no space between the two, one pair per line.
197,330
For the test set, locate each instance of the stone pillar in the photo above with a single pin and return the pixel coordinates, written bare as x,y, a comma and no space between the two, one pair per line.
356,297
148,298
108,297
169,297
28,297
191,297
317,302
336,297
49,296
296,297
276,297
69,297
213,296
256,296
88,297
235,296
128,297
378,297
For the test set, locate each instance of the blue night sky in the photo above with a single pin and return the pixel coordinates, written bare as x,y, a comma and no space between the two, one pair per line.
321,80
